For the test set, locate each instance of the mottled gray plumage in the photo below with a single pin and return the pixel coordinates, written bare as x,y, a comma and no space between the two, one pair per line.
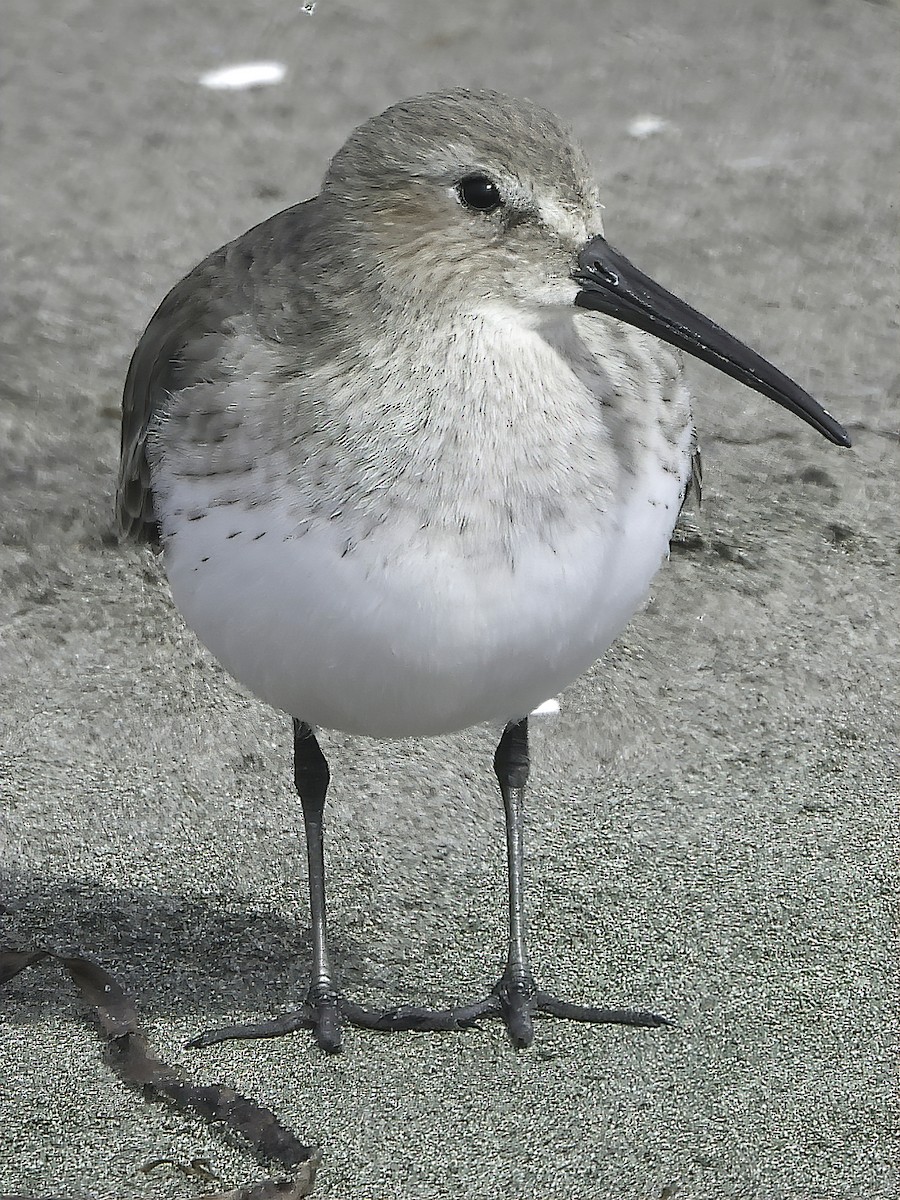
375,224
413,451
186,341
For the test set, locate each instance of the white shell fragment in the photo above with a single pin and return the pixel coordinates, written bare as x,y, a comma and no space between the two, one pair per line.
646,125
244,75
549,708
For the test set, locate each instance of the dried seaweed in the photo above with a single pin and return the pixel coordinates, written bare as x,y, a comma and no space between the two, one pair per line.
135,1061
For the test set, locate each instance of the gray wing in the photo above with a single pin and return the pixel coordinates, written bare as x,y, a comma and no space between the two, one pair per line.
169,353
695,482
183,343
687,534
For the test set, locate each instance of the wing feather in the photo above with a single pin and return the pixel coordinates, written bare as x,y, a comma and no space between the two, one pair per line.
184,340
190,313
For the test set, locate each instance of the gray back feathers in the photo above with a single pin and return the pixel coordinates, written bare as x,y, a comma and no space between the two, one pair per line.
284,278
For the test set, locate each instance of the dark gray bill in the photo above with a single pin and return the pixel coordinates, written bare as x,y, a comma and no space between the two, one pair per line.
611,284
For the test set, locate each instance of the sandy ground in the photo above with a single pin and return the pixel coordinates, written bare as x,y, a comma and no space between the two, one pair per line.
713,818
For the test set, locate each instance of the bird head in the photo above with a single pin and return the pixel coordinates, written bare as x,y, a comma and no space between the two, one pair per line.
465,200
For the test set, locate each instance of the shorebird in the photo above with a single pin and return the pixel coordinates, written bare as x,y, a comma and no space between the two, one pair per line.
413,451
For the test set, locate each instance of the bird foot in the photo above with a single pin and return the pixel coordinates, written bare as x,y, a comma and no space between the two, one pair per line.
321,1012
515,1001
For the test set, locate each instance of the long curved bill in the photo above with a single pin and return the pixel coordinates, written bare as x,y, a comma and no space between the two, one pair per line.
610,284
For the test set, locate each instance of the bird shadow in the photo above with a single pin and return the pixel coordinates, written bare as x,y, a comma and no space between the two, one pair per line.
177,955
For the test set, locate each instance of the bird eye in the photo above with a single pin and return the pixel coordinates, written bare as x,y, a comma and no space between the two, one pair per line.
479,192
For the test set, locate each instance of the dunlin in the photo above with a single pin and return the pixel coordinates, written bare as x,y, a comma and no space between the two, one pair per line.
413,451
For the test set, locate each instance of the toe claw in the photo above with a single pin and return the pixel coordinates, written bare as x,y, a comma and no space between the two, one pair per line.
328,1028
520,1027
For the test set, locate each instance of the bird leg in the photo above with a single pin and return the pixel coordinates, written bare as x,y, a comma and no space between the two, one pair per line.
311,777
515,998
321,1010
520,998
516,989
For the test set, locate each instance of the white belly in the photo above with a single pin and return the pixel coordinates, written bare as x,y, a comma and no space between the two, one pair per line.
407,561
406,635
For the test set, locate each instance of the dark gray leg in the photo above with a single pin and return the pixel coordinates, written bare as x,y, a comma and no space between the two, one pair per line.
514,998
516,989
519,998
311,777
321,1012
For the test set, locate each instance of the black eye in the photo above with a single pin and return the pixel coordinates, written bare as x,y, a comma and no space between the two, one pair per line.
480,193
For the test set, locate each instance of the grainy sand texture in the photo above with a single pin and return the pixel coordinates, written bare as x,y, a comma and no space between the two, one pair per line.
712,823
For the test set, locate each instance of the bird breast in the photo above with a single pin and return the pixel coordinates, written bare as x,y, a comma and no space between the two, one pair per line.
461,530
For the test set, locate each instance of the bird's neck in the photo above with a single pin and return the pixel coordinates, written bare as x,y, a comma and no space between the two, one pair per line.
475,418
